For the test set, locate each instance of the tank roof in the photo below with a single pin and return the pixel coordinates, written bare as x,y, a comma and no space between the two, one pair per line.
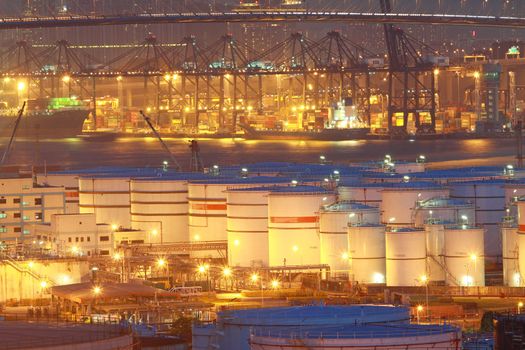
481,182
315,315
300,189
174,177
443,202
346,206
243,180
109,170
353,331
366,224
462,227
405,229
415,185
357,184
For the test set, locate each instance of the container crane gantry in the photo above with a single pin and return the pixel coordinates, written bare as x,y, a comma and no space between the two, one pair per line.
408,68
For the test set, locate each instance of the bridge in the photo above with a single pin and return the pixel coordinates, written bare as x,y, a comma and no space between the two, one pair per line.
261,16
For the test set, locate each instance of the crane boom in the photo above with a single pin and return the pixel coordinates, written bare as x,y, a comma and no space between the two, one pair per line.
13,134
166,148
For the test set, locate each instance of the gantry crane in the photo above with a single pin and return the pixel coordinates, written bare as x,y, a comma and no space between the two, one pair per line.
409,68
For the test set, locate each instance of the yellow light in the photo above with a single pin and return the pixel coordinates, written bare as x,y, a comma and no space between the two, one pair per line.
295,248
43,284
187,109
21,86
117,256
167,77
254,277
97,290
424,279
175,76
236,242
197,237
114,227
250,108
436,71
66,279
203,268
420,308
148,109
7,80
275,284
66,78
74,249
161,262
520,304
226,272
31,264
345,256
119,78
154,232
477,74
473,257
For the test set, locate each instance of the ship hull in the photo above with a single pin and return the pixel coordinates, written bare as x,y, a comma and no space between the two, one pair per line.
59,124
324,135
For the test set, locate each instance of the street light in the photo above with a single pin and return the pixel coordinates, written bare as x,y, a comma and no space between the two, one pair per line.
226,273
117,256
97,290
275,284
418,310
161,262
520,305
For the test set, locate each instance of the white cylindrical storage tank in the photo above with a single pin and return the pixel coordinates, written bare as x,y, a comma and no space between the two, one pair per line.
247,226
207,207
358,337
464,256
405,257
369,194
333,229
488,197
107,197
444,210
400,201
511,268
234,326
293,224
435,252
366,251
159,206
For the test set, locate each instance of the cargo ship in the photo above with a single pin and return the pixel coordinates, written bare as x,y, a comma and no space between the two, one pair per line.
251,133
48,118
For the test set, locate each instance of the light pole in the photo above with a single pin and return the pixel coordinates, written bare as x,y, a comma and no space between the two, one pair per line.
254,278
424,279
226,273
418,310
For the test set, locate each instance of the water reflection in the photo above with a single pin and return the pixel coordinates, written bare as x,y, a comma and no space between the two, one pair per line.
146,151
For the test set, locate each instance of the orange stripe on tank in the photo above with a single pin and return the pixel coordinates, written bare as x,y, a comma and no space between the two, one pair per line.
208,206
293,219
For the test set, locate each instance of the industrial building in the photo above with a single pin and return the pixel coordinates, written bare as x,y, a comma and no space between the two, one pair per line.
24,203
